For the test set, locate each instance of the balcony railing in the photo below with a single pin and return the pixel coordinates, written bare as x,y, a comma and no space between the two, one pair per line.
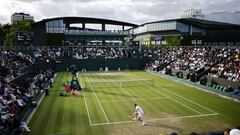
95,32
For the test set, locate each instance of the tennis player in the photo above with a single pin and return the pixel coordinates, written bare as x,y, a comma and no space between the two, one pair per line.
138,114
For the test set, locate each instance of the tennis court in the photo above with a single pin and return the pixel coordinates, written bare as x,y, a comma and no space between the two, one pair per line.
105,105
128,89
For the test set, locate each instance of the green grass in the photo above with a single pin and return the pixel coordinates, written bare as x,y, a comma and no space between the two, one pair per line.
103,108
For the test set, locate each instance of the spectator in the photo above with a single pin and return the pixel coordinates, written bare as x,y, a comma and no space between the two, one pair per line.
227,131
234,132
23,127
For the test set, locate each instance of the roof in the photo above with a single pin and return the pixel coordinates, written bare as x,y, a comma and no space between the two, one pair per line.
73,20
200,23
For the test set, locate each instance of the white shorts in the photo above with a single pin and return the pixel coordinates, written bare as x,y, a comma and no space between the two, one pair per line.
140,114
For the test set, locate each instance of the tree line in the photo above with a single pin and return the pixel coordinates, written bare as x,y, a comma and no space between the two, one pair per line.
8,31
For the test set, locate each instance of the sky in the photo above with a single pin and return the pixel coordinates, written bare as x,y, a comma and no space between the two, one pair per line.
133,11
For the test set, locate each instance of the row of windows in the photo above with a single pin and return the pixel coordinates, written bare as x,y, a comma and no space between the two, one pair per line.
55,29
164,26
55,23
161,26
155,42
56,26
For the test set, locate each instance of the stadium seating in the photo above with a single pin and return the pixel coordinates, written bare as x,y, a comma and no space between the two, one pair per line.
13,98
184,62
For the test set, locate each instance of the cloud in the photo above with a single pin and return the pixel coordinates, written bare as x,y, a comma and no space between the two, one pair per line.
134,11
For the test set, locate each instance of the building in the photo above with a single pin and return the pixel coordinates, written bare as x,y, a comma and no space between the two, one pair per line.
225,17
187,31
191,30
75,31
192,13
21,16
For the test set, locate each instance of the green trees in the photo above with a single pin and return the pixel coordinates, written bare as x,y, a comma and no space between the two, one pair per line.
8,32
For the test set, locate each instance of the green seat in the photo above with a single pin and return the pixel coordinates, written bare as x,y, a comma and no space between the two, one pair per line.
225,89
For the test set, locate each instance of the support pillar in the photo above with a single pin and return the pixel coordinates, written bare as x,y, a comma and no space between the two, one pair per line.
83,26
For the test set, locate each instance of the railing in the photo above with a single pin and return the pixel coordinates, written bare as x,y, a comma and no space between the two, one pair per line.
91,32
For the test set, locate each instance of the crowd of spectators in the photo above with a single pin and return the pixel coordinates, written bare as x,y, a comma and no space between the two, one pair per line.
225,62
12,101
14,98
228,131
228,66
103,52
187,59
12,64
85,52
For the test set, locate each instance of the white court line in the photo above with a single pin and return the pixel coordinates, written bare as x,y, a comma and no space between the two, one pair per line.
99,102
85,101
187,106
148,120
105,80
125,91
181,96
139,99
181,117
89,119
154,89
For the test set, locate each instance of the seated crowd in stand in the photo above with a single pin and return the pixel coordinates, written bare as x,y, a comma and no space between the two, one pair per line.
12,64
86,52
228,66
225,63
103,52
14,99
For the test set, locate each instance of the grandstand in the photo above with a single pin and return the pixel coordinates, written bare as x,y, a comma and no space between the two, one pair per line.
180,86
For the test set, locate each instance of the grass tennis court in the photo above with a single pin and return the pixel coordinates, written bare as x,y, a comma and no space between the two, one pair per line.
105,106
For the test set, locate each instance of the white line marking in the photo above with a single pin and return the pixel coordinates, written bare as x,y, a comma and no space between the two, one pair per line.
154,89
98,101
114,81
85,101
126,91
183,117
180,117
126,100
183,97
187,106
106,80
89,119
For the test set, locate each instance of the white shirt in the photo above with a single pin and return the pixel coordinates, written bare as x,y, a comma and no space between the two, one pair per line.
139,110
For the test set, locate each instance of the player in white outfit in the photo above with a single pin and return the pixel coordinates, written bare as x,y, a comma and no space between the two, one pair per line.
138,113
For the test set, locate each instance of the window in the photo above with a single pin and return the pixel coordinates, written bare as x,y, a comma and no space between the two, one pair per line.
193,42
56,26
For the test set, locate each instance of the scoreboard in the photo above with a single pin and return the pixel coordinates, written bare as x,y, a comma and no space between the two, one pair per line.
24,38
